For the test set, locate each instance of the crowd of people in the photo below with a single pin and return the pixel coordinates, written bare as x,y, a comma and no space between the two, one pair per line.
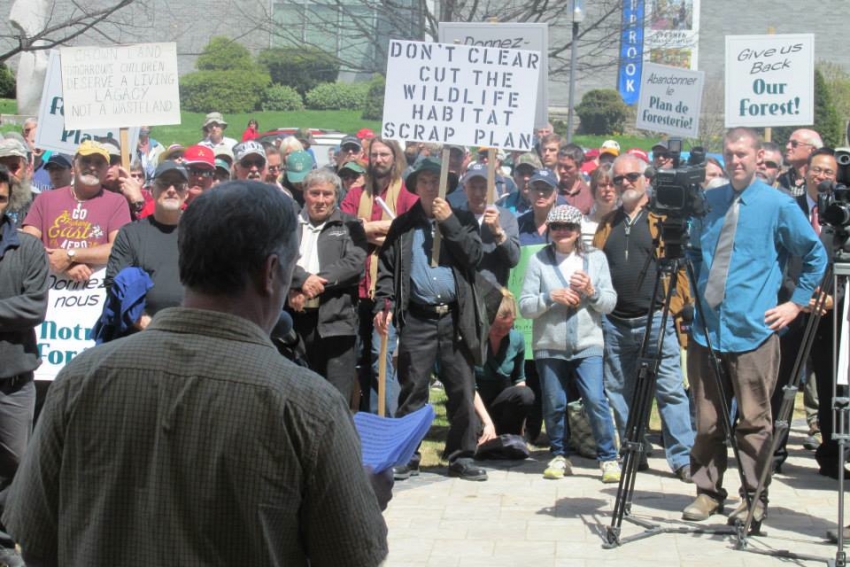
365,251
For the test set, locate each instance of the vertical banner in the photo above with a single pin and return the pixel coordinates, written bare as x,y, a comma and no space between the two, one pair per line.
672,33
770,80
631,51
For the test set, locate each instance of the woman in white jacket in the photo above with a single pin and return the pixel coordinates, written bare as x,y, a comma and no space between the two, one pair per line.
566,291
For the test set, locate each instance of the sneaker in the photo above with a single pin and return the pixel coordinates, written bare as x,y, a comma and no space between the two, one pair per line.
701,508
406,471
559,467
610,471
813,440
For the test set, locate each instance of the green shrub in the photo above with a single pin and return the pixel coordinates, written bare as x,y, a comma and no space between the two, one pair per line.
223,91
337,96
8,87
281,97
602,112
302,68
373,108
223,54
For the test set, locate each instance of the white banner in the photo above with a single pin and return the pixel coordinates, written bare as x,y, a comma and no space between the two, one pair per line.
671,33
770,80
670,100
51,133
72,311
461,94
509,35
120,86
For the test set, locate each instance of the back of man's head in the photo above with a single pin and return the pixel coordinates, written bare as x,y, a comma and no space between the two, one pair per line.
229,232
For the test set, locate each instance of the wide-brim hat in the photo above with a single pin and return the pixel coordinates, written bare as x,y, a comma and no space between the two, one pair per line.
215,118
429,164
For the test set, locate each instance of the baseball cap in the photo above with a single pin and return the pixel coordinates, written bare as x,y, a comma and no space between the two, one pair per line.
111,146
610,147
365,134
352,165
430,164
173,151
92,148
169,165
351,141
528,159
546,176
199,156
564,214
245,149
661,144
224,153
222,164
62,161
298,165
475,170
13,148
215,118
638,153
304,135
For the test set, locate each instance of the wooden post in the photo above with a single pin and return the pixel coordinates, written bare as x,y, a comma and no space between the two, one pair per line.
382,376
491,176
444,181
124,138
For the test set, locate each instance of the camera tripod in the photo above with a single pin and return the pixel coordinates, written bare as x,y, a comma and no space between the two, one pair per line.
674,237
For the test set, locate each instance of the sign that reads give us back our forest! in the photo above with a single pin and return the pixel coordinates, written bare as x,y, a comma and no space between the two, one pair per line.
770,80
670,100
120,86
461,94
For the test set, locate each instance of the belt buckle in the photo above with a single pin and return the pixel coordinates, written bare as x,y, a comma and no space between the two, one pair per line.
441,309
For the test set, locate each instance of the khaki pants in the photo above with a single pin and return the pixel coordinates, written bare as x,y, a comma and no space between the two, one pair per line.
749,376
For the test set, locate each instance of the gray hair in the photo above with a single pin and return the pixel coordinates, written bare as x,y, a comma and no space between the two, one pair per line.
323,175
629,158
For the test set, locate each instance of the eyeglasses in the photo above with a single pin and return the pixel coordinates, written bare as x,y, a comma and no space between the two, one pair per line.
795,143
770,164
163,185
249,163
822,171
198,172
661,155
632,177
563,226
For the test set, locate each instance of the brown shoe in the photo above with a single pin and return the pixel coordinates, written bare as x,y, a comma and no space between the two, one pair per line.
740,513
832,535
701,508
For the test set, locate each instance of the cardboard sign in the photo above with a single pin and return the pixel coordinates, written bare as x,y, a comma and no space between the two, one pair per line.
51,133
120,86
461,94
770,80
72,311
670,100
510,35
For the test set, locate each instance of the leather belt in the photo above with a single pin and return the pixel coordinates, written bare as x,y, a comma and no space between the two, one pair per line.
431,311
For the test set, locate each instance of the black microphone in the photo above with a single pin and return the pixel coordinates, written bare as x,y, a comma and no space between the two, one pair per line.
826,186
650,172
283,331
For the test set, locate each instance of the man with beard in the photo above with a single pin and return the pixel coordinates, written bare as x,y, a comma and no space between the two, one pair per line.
383,180
629,237
200,166
250,161
78,223
151,243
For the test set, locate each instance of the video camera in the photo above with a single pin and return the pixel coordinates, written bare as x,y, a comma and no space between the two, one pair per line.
834,204
678,192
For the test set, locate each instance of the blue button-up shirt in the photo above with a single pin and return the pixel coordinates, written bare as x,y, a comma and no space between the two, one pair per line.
429,286
771,227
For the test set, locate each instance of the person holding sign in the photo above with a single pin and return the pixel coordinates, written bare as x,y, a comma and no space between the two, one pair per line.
438,311
79,223
23,305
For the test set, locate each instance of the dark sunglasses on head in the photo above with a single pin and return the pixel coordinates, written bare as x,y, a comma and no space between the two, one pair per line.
632,177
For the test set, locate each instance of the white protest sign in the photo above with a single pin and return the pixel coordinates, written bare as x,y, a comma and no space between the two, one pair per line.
51,133
770,80
461,94
670,100
120,86
510,35
72,311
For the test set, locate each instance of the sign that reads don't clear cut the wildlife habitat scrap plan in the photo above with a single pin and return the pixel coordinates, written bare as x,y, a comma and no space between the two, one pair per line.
461,94
670,100
120,86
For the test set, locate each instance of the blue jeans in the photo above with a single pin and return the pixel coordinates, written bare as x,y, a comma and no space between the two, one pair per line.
587,373
623,338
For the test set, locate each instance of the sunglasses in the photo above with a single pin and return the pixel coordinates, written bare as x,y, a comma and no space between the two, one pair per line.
632,177
163,185
198,172
795,143
770,164
563,226
249,163
661,155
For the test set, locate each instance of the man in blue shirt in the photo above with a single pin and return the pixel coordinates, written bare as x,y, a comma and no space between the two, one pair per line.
740,249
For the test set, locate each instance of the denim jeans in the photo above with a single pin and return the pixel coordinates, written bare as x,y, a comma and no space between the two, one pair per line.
587,373
623,338
369,349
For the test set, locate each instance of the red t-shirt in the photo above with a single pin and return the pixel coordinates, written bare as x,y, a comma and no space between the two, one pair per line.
65,223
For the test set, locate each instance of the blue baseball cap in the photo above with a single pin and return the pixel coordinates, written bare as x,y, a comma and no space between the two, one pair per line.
62,161
546,176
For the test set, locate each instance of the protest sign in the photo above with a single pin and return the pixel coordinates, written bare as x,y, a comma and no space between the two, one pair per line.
515,281
509,35
51,133
461,94
120,86
670,100
72,311
770,80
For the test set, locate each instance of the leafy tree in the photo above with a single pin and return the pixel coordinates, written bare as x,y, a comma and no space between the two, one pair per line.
223,54
373,109
602,112
302,68
7,82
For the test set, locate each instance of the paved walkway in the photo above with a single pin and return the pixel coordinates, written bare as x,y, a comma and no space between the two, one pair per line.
517,518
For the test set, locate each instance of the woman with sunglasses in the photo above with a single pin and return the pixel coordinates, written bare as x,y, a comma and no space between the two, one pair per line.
566,291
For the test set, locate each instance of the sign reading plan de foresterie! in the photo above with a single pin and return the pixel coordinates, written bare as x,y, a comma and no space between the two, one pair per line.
770,80
461,94
120,86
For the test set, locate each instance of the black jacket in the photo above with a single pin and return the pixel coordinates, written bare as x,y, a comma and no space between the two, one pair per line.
461,251
342,255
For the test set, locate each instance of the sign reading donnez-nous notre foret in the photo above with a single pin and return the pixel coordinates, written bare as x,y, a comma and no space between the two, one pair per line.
120,86
461,94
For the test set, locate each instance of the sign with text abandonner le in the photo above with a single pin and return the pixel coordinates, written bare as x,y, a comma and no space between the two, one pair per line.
120,85
770,80
461,94
51,133
670,100
512,35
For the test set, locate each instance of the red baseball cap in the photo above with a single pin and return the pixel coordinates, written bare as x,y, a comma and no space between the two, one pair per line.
639,153
365,134
199,156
